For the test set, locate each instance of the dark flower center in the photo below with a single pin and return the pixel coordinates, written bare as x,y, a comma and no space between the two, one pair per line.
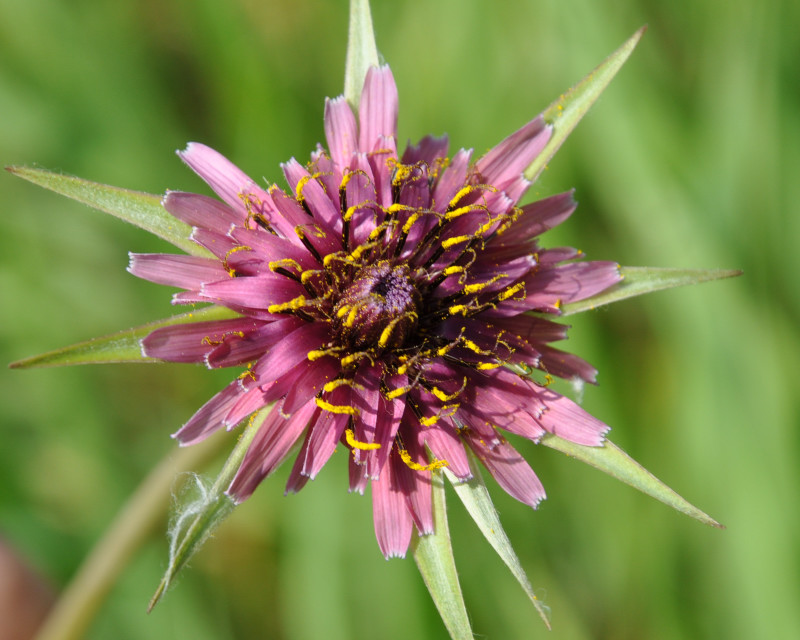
379,310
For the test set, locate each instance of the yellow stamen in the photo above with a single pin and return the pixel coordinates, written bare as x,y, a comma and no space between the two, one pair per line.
450,242
336,408
505,295
242,247
415,466
356,444
292,305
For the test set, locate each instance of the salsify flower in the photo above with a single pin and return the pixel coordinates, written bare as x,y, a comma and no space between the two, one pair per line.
397,304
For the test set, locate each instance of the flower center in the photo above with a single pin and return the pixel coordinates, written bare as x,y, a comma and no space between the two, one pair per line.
379,309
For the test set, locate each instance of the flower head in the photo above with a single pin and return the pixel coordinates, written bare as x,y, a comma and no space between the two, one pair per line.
398,305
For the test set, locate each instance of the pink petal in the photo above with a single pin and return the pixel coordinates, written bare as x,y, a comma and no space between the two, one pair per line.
225,178
187,272
572,282
451,181
341,131
564,418
209,418
319,203
427,150
511,157
202,211
239,349
191,342
290,351
258,292
269,448
444,444
415,485
320,443
377,112
393,523
566,365
308,379
510,470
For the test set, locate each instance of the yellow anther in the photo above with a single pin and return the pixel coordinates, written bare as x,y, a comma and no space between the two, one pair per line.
387,332
557,304
302,185
445,397
489,365
316,354
340,382
336,408
415,466
296,303
360,249
410,222
241,247
463,192
282,264
210,341
505,295
355,357
453,269
307,275
469,344
356,444
458,308
478,286
450,242
396,393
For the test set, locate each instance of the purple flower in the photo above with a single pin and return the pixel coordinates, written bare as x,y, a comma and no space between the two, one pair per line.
395,304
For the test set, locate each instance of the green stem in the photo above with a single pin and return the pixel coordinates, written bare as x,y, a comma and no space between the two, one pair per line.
144,511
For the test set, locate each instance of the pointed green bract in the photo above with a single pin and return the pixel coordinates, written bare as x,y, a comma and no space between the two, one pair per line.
566,112
475,496
434,557
637,281
143,210
612,460
195,520
120,347
362,52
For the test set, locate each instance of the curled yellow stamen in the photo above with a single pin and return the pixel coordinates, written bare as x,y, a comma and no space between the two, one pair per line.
241,247
415,466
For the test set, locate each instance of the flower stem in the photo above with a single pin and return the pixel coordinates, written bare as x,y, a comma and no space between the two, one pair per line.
79,602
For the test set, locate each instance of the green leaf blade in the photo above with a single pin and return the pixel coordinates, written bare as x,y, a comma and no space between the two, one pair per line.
196,519
567,111
476,499
434,557
637,281
121,347
140,209
362,52
612,460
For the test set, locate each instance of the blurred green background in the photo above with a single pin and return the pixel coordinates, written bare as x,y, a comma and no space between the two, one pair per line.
689,160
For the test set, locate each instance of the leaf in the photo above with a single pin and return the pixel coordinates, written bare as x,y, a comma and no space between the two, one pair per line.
143,210
566,112
637,281
195,520
434,557
612,460
119,347
362,52
476,499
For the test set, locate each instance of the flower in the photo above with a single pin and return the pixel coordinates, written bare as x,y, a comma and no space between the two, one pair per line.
398,305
